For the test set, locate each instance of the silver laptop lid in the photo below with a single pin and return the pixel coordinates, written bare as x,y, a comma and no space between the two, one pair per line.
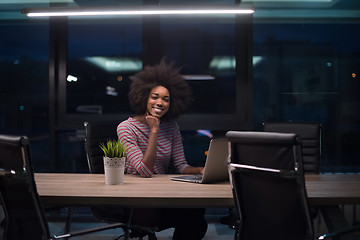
216,168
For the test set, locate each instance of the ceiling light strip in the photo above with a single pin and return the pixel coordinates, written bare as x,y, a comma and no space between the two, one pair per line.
195,11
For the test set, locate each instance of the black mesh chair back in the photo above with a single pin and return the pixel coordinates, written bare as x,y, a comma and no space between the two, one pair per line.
97,132
310,134
24,213
268,186
24,216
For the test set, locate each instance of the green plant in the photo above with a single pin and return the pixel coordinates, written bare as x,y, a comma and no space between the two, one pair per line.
113,148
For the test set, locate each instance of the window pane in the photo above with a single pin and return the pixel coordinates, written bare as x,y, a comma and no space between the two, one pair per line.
205,47
309,72
24,86
102,54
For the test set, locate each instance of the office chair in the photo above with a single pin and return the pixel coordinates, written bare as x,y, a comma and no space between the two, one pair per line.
267,179
24,213
310,134
95,133
268,186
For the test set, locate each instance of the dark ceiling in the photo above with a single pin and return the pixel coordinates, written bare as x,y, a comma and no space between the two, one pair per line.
265,9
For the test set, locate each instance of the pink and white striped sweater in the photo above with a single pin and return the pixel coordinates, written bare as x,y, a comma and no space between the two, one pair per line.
169,147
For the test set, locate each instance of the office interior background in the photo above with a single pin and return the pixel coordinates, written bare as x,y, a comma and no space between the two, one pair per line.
290,61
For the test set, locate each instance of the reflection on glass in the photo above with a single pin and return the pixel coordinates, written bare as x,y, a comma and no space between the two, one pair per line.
24,85
306,76
102,54
204,47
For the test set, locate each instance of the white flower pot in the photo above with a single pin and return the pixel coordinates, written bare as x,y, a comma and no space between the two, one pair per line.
114,170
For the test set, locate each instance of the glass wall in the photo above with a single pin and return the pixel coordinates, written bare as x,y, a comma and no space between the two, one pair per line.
205,48
310,73
102,54
303,70
24,85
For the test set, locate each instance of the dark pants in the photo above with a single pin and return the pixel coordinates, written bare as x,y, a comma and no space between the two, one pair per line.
189,223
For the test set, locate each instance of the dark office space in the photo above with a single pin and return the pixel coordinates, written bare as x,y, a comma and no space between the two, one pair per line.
290,61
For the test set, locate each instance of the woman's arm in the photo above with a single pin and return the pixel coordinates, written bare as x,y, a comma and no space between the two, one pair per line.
179,157
150,153
136,145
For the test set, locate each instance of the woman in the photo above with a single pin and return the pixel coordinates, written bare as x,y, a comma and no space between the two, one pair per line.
158,94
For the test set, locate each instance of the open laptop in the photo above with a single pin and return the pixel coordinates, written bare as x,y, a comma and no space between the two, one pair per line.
216,169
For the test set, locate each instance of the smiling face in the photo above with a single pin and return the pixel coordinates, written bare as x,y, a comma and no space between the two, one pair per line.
158,102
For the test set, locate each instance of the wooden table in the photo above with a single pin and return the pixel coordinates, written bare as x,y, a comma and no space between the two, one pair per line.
160,191
333,189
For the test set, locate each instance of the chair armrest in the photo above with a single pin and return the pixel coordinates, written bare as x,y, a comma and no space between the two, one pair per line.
4,172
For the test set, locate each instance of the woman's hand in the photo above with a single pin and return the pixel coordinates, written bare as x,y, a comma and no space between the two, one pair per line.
152,122
193,170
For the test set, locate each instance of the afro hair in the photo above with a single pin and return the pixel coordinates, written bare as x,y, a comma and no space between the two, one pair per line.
163,74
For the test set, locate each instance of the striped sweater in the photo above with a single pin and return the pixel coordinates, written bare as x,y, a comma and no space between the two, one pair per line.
169,147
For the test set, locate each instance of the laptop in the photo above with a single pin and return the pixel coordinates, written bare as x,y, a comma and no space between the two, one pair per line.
216,169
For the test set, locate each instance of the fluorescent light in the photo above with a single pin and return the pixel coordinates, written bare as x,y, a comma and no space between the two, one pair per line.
198,77
137,10
116,64
219,63
292,1
35,1
71,78
223,63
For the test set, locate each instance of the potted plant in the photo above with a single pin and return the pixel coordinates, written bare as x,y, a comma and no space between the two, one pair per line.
114,161
113,149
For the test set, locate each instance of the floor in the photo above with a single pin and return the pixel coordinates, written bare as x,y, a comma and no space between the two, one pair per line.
84,220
